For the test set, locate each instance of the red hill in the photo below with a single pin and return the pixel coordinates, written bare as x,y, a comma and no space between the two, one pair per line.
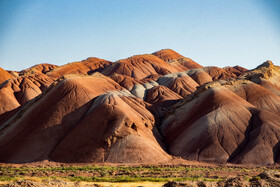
145,109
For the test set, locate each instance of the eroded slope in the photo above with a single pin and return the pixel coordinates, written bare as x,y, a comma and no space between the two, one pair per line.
143,109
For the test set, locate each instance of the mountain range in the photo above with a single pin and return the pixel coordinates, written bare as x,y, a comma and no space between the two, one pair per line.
147,108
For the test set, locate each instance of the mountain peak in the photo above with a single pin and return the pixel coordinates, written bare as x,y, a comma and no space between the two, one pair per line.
266,64
168,55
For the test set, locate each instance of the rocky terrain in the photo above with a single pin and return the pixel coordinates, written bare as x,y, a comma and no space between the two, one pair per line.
144,109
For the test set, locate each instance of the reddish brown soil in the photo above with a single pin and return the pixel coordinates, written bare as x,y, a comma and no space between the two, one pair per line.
145,109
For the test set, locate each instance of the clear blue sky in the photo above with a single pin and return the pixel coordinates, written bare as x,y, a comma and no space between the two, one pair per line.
211,32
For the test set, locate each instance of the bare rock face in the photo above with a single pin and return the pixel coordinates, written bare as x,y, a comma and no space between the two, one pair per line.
266,75
219,73
263,137
266,64
202,129
82,125
4,75
140,66
143,109
199,76
161,99
40,68
161,94
257,95
32,133
117,128
125,81
219,126
180,62
168,55
85,67
19,90
237,70
180,83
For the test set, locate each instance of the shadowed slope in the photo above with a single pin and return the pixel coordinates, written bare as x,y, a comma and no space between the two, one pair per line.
19,90
161,99
180,83
262,137
161,94
194,129
218,126
117,128
257,95
211,114
49,117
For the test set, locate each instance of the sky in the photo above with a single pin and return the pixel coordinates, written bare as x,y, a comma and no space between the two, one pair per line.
211,32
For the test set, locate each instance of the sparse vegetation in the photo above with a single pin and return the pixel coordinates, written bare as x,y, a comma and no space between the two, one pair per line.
127,173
